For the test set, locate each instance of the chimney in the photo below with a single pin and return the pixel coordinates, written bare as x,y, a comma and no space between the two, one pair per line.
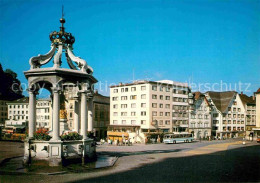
241,93
120,84
253,97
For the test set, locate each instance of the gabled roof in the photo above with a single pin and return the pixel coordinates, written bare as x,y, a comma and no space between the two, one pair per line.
198,95
222,99
246,99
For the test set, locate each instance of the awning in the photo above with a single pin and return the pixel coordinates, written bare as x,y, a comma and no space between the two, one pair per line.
118,134
256,129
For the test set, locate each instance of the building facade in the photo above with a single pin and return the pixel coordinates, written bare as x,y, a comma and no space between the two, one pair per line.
43,114
250,107
101,115
3,112
228,114
101,112
18,113
200,124
146,107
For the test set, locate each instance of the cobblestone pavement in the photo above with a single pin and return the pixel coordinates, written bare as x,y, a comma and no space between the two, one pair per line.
215,161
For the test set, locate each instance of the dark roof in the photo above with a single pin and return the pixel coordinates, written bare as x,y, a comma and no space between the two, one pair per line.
246,99
98,98
21,100
222,99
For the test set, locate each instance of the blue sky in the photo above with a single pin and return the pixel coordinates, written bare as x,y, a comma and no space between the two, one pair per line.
204,41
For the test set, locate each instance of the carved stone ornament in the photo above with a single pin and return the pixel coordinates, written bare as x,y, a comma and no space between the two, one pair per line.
61,42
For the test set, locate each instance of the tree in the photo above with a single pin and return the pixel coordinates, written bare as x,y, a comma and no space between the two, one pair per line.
10,86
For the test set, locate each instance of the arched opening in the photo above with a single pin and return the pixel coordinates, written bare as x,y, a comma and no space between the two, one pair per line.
43,105
199,135
206,134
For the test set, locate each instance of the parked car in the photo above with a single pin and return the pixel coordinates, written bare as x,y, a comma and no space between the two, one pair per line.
258,140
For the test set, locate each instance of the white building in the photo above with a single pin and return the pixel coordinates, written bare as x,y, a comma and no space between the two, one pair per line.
146,108
43,113
228,114
18,113
250,107
200,117
256,130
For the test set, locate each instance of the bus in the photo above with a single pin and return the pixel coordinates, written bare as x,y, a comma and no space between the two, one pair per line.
176,138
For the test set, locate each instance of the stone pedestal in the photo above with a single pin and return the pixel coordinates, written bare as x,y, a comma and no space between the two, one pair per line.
56,152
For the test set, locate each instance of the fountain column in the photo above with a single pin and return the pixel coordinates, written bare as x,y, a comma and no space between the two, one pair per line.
56,114
32,113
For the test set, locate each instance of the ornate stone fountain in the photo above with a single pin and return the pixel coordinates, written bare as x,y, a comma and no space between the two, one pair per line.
56,79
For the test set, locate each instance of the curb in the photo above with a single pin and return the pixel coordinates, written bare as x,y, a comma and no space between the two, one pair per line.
52,173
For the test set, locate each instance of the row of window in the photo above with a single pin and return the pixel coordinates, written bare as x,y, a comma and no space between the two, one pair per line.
132,122
229,122
161,122
17,106
215,115
18,117
143,88
161,97
180,122
178,99
18,112
154,88
143,122
234,109
180,107
43,117
168,89
143,96
175,114
200,116
201,108
154,105
3,108
3,114
46,110
41,124
199,125
234,128
43,104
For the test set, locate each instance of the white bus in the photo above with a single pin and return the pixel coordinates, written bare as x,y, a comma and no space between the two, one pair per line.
177,137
